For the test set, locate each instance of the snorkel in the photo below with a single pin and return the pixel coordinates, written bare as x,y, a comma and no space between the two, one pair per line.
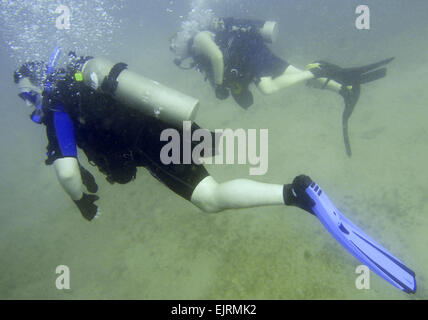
37,115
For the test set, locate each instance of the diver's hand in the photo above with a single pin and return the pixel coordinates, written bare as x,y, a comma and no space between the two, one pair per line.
87,208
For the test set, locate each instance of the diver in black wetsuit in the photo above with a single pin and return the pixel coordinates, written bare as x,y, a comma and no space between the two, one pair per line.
118,139
233,53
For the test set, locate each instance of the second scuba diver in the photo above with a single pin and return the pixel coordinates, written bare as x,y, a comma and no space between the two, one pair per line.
233,53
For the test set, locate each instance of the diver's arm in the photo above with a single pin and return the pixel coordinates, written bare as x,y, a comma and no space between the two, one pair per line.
211,196
67,165
69,176
203,44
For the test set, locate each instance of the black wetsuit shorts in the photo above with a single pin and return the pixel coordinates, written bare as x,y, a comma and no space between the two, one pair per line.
180,178
249,55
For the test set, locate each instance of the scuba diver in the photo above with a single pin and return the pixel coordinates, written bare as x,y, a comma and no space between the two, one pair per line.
99,107
233,53
117,117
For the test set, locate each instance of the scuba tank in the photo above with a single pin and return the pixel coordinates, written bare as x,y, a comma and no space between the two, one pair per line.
140,93
269,31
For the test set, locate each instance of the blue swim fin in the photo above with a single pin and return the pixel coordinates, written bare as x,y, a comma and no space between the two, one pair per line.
359,244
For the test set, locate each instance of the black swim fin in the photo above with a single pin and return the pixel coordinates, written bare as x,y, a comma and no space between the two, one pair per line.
350,96
351,80
364,74
349,76
372,76
354,77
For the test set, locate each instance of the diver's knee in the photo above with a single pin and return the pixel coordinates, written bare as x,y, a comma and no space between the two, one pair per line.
266,85
209,208
204,196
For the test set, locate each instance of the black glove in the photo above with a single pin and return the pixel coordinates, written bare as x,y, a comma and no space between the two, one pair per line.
87,207
88,180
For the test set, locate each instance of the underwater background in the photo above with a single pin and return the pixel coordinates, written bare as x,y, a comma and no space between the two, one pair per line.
150,243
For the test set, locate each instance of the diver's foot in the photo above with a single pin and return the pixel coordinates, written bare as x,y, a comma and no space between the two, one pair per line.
221,92
322,69
295,195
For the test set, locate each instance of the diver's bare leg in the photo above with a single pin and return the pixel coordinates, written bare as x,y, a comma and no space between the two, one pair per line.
211,196
292,76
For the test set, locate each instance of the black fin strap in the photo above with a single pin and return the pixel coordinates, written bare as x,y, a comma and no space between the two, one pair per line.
110,83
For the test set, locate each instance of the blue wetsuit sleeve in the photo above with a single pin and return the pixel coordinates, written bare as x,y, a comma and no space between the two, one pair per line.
64,129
